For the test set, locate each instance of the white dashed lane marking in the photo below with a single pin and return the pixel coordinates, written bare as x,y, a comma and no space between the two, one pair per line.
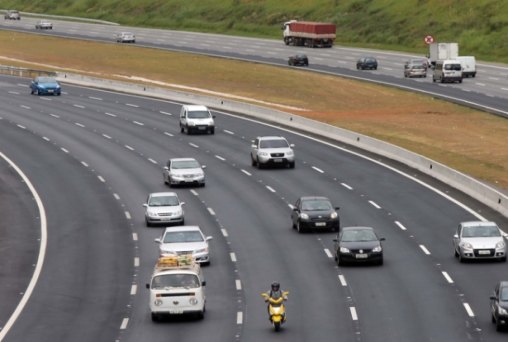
424,249
469,310
400,225
270,188
247,172
318,169
447,277
354,315
346,186
374,204
342,280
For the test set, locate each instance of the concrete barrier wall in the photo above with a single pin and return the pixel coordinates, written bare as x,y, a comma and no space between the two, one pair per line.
468,185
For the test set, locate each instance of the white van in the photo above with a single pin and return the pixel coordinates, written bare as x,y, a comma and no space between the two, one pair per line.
195,118
177,287
468,65
448,70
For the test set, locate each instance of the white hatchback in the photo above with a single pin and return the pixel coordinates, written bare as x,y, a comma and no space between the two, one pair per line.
163,208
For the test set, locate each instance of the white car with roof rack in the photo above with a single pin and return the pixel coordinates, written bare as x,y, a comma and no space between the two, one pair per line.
177,287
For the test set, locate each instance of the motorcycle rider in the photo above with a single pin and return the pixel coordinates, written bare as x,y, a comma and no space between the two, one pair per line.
274,293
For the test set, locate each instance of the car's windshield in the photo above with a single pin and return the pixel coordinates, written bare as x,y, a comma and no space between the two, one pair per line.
504,294
317,205
358,235
273,143
163,201
177,237
175,280
198,114
481,231
185,164
46,80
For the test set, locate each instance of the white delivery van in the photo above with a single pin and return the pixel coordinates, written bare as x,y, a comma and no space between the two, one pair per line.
468,65
448,70
196,118
177,287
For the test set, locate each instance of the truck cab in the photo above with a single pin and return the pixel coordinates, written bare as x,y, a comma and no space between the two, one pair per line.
177,287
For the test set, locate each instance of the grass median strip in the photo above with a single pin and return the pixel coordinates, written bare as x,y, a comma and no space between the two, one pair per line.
470,141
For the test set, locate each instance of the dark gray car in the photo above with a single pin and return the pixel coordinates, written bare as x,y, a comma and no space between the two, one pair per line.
358,245
315,213
499,305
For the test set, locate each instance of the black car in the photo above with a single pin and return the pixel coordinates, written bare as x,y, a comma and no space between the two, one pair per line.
499,305
366,63
358,244
315,212
298,60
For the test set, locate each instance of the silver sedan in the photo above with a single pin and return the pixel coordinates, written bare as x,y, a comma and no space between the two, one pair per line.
479,240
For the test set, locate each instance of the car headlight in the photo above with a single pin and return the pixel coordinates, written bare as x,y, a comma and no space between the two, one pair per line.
151,213
500,244
466,245
377,249
179,212
202,250
344,250
193,301
502,311
191,123
334,215
263,154
304,216
289,153
167,253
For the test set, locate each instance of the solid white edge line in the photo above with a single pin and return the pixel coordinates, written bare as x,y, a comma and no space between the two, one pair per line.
468,309
342,280
377,162
354,315
239,317
238,284
447,277
374,204
40,258
328,253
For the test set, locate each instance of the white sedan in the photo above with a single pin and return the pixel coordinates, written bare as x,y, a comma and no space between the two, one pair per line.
182,240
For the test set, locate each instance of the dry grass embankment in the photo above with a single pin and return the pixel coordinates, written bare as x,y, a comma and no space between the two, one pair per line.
473,142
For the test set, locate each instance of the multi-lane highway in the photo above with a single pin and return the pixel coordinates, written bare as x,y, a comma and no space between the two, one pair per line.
488,91
93,156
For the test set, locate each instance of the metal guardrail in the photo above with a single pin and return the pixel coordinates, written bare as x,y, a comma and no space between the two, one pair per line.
25,72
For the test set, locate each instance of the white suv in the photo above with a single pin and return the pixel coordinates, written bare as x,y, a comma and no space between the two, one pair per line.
194,118
272,150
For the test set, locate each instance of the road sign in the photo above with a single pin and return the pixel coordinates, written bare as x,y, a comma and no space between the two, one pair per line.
429,39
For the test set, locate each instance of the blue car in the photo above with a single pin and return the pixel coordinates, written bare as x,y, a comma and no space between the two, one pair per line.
45,85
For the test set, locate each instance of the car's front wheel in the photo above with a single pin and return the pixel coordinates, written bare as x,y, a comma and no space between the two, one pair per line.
299,228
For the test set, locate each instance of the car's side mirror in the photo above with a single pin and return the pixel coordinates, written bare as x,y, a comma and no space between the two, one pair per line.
148,286
208,238
456,236
492,297
203,283
214,116
182,203
295,209
166,168
382,239
158,240
337,208
145,205
335,240
291,145
203,166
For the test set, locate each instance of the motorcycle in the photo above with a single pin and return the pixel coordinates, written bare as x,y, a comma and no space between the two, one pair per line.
276,309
